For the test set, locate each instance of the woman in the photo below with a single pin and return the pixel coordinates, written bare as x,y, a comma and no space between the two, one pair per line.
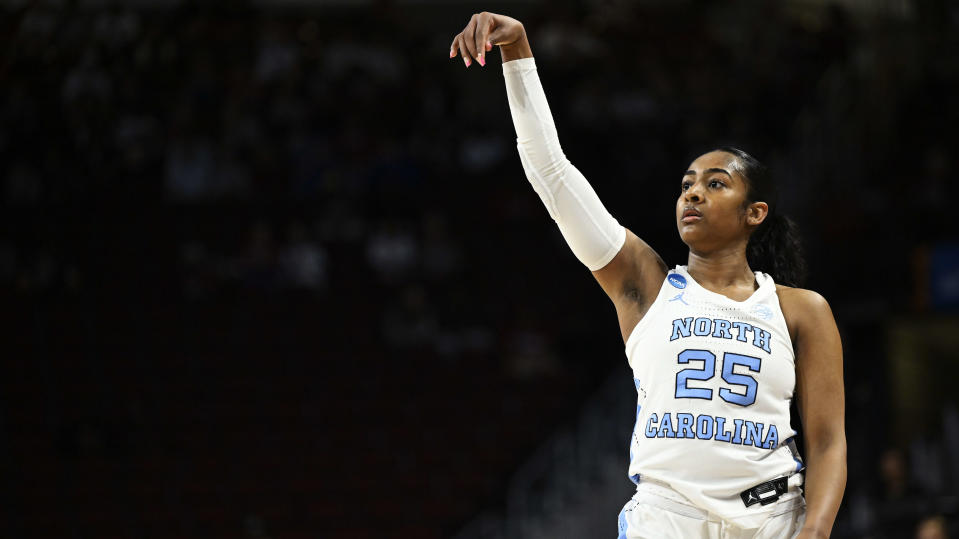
717,349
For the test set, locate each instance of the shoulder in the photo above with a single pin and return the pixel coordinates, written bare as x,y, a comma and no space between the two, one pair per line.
803,309
801,299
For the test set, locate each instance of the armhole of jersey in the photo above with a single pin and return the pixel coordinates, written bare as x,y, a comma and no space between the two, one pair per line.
643,322
785,326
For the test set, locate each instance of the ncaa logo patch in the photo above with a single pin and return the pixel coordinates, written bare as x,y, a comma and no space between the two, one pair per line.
676,280
761,311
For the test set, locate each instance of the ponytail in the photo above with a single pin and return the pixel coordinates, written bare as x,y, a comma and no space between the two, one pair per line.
775,247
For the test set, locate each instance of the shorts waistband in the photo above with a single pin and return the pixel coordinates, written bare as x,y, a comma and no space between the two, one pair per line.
660,494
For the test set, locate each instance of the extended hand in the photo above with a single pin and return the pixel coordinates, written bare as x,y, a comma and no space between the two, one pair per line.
485,30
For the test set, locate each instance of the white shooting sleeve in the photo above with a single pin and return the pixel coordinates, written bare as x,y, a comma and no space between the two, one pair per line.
591,232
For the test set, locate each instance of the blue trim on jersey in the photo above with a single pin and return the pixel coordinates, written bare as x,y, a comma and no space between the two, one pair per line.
632,435
791,442
621,522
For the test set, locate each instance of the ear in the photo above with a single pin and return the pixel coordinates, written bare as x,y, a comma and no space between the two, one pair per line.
756,213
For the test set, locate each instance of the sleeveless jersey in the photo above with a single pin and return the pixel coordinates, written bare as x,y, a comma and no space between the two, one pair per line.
715,378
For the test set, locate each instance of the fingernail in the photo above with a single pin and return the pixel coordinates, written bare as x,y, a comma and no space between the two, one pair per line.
467,61
482,61
452,53
489,46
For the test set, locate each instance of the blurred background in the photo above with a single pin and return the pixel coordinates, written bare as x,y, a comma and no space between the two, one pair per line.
272,269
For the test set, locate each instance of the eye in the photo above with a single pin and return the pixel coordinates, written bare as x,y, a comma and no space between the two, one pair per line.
686,185
716,184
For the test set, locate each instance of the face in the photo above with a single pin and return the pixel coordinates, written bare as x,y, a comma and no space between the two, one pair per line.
711,213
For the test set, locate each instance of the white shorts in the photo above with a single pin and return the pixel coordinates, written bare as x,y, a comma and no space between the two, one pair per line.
656,512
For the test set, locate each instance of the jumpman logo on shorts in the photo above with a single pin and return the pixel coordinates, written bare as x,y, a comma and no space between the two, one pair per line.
679,297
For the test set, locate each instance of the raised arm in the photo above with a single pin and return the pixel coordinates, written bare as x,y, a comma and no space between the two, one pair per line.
627,269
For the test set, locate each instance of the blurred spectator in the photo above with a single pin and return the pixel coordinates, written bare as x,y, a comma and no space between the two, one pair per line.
900,501
933,527
408,322
442,255
191,170
392,251
303,261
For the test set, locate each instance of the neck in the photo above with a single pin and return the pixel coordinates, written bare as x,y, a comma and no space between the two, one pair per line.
721,269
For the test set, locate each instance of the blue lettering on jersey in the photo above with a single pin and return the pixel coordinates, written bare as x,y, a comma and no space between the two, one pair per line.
651,425
702,326
684,426
704,427
707,427
682,327
754,433
722,329
666,427
737,438
741,329
722,434
772,438
676,280
761,338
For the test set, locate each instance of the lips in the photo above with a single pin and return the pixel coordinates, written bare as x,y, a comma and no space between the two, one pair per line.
691,215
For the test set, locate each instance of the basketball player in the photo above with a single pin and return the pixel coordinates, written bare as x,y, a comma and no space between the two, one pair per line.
717,348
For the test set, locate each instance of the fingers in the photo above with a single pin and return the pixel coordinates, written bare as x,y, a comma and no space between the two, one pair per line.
473,41
464,52
484,21
458,48
468,36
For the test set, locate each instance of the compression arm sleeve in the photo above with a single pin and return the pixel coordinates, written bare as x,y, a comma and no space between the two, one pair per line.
591,232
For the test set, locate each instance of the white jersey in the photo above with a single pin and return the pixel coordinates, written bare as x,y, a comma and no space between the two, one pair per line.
715,378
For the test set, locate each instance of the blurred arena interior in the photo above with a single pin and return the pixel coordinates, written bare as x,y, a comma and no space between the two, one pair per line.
272,268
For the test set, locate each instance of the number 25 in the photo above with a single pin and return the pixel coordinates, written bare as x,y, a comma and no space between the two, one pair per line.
708,370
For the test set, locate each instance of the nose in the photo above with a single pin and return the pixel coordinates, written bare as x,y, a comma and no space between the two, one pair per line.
694,193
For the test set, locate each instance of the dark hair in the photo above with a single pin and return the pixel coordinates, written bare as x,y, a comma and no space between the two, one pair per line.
775,247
